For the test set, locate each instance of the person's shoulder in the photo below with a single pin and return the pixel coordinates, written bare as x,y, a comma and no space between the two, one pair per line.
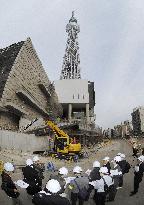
62,200
5,176
142,165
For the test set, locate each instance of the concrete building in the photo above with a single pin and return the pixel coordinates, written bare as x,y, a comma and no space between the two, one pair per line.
26,92
138,120
76,95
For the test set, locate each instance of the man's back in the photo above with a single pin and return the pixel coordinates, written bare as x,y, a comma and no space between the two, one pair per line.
79,183
30,174
54,199
95,175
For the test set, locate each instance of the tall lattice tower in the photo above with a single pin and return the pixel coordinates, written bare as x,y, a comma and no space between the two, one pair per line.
71,61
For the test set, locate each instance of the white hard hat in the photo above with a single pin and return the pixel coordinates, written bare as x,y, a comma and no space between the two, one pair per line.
96,164
141,158
119,154
63,171
53,186
106,158
77,169
8,167
117,159
104,170
122,156
36,158
29,162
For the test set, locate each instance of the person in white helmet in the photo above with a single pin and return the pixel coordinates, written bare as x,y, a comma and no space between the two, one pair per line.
51,196
125,166
138,174
31,177
110,192
39,167
106,163
101,187
8,185
60,177
79,187
94,175
116,171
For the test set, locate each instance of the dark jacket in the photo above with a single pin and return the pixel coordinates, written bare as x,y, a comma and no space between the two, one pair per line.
54,199
139,174
125,166
94,175
40,169
8,185
32,178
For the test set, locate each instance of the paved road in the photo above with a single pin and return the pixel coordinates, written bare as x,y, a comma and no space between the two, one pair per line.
122,197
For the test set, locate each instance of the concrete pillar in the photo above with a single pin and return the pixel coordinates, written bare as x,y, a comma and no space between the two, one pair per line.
69,112
87,112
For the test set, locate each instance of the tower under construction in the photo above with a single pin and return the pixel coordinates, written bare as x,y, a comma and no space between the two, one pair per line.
76,95
71,62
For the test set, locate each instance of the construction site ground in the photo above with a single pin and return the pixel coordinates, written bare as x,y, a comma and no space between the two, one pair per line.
110,149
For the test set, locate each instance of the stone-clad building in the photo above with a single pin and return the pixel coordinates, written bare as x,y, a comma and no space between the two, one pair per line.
26,92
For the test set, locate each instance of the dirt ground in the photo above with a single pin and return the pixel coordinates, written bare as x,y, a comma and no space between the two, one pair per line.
19,158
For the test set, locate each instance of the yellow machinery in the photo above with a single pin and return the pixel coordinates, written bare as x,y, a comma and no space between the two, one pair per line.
1,166
63,143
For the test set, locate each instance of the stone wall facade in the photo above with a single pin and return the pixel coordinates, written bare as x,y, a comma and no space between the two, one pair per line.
28,93
9,121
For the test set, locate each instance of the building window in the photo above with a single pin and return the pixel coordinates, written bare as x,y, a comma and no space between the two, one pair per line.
78,96
83,96
73,96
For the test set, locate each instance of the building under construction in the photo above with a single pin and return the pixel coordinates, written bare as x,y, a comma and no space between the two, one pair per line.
76,95
27,96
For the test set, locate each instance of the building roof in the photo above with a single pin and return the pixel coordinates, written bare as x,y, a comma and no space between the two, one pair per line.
7,58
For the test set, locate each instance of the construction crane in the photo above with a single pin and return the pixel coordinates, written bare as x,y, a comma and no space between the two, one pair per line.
63,144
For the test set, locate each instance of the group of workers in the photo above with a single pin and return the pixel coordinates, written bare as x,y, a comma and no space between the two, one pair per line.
101,183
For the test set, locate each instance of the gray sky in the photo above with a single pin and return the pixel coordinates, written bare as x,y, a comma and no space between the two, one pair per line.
111,46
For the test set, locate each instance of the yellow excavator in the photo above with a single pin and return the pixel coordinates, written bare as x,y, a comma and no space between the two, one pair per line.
63,144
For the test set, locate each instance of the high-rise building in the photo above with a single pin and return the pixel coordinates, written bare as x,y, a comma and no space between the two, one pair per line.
138,120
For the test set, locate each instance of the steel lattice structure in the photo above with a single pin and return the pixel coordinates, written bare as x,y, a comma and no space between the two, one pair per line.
71,61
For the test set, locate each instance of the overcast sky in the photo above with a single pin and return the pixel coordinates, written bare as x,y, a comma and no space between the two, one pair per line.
111,46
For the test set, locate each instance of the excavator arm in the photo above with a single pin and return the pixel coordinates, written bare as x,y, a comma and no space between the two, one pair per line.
56,129
62,140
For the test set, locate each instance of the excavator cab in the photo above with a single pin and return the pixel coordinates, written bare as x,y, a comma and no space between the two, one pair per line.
61,145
